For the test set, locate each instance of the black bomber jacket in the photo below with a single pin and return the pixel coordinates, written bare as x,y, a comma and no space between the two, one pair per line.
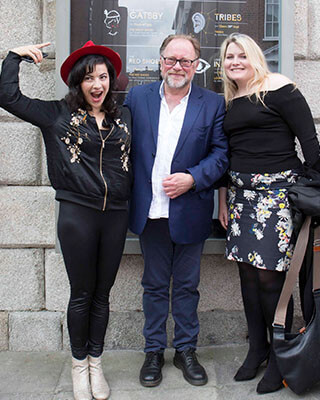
86,165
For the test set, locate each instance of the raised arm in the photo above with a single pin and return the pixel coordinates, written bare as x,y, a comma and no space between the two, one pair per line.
32,50
38,112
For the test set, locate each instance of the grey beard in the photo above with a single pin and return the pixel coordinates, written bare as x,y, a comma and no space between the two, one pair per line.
176,85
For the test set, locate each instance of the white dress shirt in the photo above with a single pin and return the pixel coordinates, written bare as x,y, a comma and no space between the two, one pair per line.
170,124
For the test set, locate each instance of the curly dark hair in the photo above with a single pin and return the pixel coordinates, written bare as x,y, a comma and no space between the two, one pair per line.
75,98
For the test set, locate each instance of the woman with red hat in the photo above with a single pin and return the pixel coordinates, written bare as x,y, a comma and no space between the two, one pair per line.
87,139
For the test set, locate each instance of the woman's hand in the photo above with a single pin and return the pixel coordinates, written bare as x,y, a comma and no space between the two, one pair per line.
223,208
32,50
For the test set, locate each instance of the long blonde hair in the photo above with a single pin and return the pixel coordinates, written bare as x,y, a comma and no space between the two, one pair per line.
256,59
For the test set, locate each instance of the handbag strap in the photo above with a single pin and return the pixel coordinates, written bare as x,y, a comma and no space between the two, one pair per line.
316,259
292,274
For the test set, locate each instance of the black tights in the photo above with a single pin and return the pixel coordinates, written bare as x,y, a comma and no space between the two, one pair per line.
260,293
92,243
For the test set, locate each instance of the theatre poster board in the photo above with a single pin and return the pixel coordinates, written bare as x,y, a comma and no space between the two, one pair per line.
136,29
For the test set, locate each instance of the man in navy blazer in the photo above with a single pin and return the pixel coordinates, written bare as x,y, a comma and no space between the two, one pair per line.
178,152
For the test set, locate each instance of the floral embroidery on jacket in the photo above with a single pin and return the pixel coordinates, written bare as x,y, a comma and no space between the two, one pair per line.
125,146
73,137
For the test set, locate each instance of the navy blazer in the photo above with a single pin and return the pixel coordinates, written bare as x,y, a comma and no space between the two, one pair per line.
201,150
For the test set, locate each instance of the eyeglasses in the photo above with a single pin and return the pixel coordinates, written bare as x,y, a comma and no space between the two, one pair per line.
172,61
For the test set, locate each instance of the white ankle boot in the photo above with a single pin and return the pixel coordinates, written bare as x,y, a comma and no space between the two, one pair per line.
100,387
80,379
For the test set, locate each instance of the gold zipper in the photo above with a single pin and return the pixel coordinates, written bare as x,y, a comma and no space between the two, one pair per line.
103,140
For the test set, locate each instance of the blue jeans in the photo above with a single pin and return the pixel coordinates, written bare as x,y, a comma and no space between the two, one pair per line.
164,259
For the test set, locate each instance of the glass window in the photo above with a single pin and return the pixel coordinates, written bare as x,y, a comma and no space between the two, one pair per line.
272,18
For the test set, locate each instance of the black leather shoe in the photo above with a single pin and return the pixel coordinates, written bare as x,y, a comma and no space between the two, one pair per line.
150,373
193,372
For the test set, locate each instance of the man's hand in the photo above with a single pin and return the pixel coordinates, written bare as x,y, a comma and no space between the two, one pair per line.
177,184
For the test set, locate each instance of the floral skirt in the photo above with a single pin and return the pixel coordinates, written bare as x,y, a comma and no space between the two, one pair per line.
259,220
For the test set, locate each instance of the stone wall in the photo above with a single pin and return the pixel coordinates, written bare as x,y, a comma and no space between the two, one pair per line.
33,282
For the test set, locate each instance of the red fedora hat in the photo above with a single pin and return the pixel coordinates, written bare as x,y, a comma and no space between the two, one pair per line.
90,48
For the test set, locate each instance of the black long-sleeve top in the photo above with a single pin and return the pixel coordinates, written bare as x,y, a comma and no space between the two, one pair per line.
262,137
87,166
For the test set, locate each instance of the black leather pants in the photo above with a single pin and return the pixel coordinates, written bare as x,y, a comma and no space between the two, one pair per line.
92,243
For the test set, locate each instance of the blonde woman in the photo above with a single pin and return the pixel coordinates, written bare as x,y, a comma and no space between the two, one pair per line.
265,113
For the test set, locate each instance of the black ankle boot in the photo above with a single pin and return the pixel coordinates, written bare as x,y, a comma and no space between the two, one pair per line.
272,379
265,386
246,373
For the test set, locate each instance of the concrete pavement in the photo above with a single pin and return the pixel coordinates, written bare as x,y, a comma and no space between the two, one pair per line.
46,376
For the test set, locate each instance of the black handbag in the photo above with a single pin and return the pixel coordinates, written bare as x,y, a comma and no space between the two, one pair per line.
304,198
298,354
